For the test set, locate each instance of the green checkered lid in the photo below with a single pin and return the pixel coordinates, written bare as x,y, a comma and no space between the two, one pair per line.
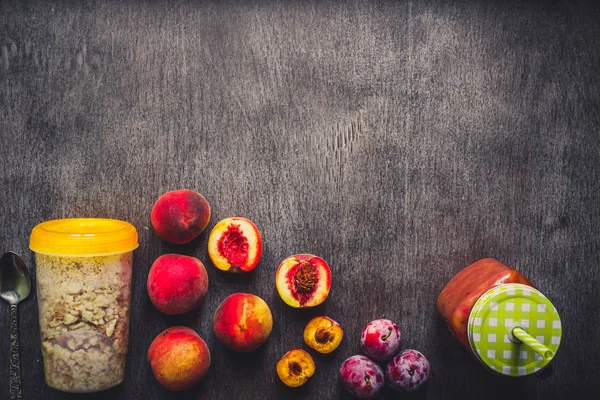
514,329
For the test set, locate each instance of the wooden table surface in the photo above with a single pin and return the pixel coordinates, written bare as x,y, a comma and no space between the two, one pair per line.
400,141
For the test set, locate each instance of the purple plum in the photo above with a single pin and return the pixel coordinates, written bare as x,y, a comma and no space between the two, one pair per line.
408,371
380,339
361,377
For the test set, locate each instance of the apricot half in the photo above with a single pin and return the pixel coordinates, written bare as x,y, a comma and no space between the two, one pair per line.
295,368
303,280
235,245
323,334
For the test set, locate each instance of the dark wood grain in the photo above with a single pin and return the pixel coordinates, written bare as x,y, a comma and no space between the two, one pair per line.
400,141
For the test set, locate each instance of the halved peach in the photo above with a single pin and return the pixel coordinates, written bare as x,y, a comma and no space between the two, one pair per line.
295,368
303,280
323,334
235,245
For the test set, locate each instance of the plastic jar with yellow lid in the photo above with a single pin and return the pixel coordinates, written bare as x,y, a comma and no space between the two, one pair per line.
83,272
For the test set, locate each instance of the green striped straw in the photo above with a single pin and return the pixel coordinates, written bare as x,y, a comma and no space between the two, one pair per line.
532,343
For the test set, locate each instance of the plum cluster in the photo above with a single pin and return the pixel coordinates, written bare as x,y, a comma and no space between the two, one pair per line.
380,341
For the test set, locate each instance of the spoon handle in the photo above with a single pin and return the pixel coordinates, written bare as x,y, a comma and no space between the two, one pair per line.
15,361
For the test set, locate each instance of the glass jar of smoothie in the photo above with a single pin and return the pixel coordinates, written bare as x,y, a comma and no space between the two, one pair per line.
499,317
83,273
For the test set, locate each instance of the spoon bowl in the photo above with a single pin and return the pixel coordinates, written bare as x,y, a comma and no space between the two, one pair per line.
14,281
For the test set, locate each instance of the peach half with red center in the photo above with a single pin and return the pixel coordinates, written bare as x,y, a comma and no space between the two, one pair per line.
235,245
179,358
303,280
243,322
180,216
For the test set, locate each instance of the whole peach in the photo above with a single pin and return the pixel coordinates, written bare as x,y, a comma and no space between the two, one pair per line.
243,322
180,216
177,283
179,358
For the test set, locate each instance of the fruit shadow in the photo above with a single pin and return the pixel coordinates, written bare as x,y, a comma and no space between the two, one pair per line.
229,278
242,364
387,393
301,392
246,360
190,319
458,364
298,315
188,249
188,394
112,393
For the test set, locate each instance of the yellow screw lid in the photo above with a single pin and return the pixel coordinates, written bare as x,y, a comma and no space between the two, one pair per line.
83,237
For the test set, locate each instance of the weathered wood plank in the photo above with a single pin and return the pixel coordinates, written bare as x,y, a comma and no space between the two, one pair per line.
400,141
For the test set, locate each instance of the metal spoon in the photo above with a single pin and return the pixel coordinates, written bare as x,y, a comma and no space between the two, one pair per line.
14,287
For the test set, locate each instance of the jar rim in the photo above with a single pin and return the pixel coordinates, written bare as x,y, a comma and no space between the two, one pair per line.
83,237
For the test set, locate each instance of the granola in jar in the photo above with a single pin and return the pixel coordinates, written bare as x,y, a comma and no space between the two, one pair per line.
84,319
83,271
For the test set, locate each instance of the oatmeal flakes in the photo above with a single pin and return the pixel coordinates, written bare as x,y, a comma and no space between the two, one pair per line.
84,320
